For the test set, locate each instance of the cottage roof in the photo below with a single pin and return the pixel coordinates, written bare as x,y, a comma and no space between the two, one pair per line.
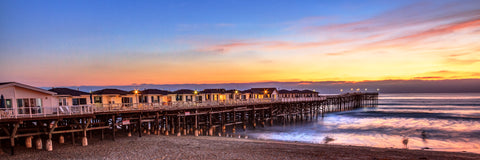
295,91
68,91
8,84
232,91
110,91
246,91
154,91
308,91
3,83
284,91
184,91
219,90
262,90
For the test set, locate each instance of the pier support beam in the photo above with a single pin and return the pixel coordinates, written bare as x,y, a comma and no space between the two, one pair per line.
49,144
85,126
73,137
196,123
38,143
28,142
12,137
114,126
254,118
139,125
178,126
234,121
61,139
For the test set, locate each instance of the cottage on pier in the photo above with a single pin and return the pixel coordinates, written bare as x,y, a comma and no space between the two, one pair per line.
71,97
215,94
113,98
233,95
264,93
24,100
184,95
297,93
154,96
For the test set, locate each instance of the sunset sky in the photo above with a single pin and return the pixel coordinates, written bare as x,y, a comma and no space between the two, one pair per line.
67,43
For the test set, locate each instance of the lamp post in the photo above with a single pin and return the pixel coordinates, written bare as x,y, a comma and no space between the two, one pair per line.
235,96
136,95
195,92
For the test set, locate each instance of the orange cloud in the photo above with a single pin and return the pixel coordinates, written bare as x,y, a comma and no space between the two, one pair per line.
225,48
446,74
455,61
445,29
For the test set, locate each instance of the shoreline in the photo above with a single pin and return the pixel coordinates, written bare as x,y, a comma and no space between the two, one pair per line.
206,147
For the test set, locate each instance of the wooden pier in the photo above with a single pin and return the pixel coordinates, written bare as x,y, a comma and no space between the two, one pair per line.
205,120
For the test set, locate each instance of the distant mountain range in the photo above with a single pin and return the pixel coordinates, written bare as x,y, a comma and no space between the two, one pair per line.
324,87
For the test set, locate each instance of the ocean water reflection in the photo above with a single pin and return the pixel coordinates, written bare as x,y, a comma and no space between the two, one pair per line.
454,126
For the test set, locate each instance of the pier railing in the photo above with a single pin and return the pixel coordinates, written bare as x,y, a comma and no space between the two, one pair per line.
44,111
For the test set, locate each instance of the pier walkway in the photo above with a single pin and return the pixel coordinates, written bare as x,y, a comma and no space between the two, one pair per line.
208,119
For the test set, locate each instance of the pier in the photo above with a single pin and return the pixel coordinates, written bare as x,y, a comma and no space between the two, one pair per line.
197,119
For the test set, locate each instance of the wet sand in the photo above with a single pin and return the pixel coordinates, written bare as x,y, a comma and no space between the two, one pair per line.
204,147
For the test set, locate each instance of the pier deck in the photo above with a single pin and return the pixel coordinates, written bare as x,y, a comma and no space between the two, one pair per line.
177,119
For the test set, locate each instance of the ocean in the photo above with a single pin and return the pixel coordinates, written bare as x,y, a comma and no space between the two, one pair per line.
430,121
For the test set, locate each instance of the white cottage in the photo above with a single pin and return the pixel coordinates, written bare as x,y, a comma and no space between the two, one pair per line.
155,96
24,100
113,98
264,93
71,97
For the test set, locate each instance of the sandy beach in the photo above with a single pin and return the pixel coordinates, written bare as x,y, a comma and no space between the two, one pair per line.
204,147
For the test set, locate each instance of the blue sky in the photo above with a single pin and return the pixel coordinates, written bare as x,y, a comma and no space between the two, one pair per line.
131,25
93,42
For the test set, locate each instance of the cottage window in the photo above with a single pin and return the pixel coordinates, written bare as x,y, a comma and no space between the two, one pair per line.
8,103
179,97
127,100
25,105
62,101
97,99
198,98
79,101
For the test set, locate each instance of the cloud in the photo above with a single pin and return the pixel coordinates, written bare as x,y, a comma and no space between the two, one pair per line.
428,78
455,61
447,74
400,27
411,15
225,48
435,31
